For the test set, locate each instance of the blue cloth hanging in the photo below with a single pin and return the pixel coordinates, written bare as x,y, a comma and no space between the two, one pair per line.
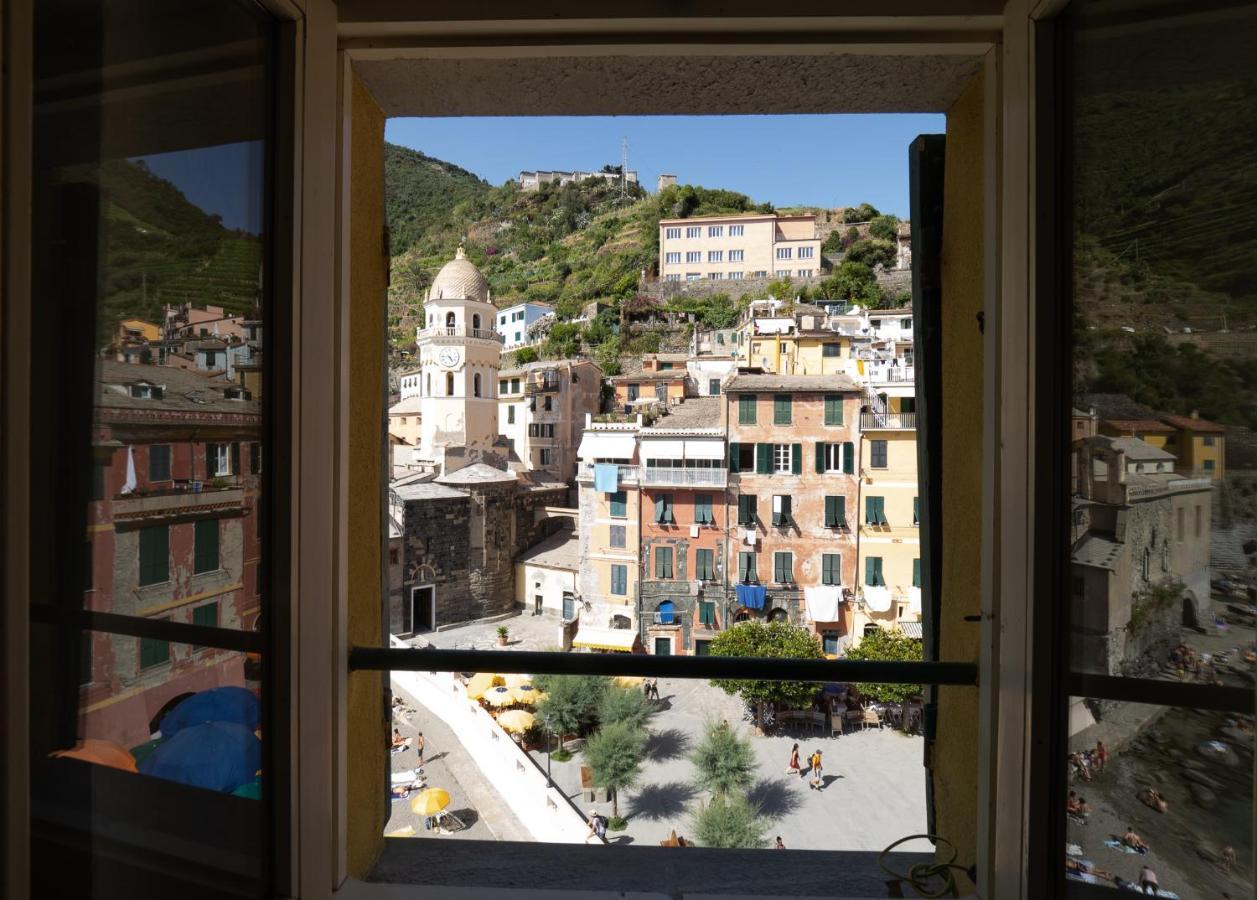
751,595
606,478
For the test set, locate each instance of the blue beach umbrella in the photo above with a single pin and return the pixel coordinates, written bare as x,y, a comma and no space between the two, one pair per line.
223,704
220,756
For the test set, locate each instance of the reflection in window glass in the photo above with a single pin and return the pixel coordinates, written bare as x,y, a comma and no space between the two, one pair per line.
1164,517
150,197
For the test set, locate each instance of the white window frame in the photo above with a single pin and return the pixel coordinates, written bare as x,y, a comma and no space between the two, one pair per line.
781,459
735,276
783,273
785,253
736,230
221,461
693,256
672,233
715,231
693,231
736,255
673,256
833,459
807,252
715,256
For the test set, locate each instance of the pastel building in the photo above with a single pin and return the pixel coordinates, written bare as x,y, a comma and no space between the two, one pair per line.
793,469
658,378
542,408
1199,445
684,534
755,245
512,323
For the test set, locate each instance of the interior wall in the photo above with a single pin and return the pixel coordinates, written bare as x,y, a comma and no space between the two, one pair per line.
955,759
368,720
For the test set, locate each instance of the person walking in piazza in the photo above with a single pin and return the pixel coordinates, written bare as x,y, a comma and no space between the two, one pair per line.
794,767
816,770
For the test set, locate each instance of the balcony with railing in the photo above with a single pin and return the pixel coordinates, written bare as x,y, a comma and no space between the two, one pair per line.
678,477
882,374
627,474
482,334
546,385
888,421
183,499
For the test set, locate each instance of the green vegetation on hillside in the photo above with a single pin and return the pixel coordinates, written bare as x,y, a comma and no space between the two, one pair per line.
422,194
162,249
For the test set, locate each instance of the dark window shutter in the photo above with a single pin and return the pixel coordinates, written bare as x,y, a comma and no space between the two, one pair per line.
848,458
916,573
764,458
235,459
820,457
734,449
785,510
796,459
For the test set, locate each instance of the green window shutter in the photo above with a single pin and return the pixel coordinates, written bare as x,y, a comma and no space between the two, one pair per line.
668,518
706,612
916,573
841,503
661,567
734,450
820,457
796,459
159,462
785,511
916,510
782,412
877,572
206,614
881,511
234,456
833,409
764,459
848,458
746,409
835,511
746,566
702,509
870,514
153,652
154,555
659,509
870,569
831,568
782,564
619,504
205,546
619,580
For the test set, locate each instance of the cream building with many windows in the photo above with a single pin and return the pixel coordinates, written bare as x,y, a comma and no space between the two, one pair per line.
738,247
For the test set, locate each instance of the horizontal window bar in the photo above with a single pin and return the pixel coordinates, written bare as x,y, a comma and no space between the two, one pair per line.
154,629
1163,693
765,668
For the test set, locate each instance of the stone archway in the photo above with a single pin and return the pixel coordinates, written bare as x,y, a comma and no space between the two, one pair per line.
1191,612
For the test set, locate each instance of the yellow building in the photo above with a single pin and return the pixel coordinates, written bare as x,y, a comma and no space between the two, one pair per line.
889,554
737,247
1153,432
609,532
1200,446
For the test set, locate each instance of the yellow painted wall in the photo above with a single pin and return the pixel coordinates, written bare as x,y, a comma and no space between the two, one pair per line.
368,725
1196,453
810,358
956,774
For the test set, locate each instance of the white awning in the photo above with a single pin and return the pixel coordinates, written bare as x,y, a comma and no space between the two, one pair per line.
616,639
666,449
698,449
912,630
606,446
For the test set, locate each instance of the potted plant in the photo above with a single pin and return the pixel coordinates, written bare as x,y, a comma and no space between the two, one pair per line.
503,634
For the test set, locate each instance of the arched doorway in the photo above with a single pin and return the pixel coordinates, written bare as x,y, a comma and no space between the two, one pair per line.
1191,613
779,615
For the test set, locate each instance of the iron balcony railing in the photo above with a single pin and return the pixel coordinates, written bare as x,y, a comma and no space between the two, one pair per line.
483,334
891,421
674,477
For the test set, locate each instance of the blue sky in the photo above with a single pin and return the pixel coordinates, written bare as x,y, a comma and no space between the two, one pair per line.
834,160
224,179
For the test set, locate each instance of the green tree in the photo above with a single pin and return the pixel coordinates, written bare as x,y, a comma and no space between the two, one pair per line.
853,282
777,640
732,822
782,289
884,227
872,252
525,355
614,754
865,212
571,702
724,761
628,705
888,645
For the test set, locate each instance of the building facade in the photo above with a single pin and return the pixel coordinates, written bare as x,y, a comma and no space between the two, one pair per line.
684,529
738,246
658,378
531,181
172,534
542,408
512,323
793,464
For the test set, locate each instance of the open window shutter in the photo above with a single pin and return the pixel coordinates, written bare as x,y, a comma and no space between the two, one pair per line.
659,508
916,573
841,504
764,458
235,458
870,570
211,460
820,457
796,459
848,458
785,509
734,449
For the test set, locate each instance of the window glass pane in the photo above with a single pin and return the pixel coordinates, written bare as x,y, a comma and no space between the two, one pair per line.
1160,584
151,195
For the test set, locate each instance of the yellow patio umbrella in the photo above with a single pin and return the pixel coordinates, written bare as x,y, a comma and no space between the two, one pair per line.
516,680
516,721
629,681
480,683
499,696
429,802
525,693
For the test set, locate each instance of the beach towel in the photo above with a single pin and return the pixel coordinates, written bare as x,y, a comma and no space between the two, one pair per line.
1074,850
822,602
606,478
1118,845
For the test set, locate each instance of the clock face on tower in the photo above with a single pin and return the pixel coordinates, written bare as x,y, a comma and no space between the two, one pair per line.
448,357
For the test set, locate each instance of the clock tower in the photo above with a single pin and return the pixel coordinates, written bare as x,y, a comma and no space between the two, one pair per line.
459,359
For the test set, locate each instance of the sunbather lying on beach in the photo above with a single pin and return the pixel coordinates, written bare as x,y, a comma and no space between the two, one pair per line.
1134,841
1083,867
1152,798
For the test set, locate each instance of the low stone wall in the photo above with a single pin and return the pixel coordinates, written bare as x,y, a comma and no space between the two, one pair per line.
892,280
545,811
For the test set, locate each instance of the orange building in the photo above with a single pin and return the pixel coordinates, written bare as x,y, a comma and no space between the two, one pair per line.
684,578
661,377
793,496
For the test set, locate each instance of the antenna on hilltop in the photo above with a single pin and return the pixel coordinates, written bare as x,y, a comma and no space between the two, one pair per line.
623,169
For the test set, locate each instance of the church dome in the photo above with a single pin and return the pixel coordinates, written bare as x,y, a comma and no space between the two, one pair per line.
459,279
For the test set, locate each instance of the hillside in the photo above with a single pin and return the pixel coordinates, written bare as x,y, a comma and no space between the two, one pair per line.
160,248
422,194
